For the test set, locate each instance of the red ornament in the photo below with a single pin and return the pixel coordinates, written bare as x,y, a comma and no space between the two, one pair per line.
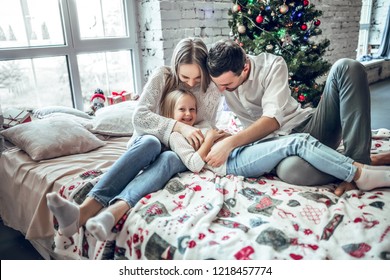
259,19
301,98
304,27
317,22
305,2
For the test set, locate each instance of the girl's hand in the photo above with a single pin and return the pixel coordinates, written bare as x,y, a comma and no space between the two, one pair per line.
222,135
215,135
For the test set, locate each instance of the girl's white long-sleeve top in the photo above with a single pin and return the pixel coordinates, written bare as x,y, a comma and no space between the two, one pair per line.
191,158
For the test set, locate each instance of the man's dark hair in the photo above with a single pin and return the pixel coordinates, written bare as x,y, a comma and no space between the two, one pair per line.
225,56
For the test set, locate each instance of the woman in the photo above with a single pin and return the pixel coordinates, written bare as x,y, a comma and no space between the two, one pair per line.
123,185
262,156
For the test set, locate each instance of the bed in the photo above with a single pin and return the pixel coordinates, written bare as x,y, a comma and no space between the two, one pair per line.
196,215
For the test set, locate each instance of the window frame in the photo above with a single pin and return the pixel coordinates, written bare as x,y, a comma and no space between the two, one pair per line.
74,45
364,29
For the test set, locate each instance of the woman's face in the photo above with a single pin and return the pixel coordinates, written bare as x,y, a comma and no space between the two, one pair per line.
185,110
190,74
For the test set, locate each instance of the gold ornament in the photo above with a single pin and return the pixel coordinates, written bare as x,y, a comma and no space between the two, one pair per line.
236,8
241,29
283,9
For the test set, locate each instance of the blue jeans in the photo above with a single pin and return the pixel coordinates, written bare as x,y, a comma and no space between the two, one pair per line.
343,113
262,156
124,181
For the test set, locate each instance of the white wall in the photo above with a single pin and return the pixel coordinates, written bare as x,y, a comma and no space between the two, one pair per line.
162,23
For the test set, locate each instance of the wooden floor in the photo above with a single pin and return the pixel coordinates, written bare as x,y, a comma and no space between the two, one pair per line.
13,245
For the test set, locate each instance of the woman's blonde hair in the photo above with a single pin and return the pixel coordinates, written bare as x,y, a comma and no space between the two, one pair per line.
187,51
169,102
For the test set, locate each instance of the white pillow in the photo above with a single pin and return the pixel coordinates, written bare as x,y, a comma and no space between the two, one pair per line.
52,137
115,120
41,112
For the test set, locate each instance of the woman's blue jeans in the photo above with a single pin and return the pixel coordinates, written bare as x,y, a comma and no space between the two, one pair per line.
124,179
262,156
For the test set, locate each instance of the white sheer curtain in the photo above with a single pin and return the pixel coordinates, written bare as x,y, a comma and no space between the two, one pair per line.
384,48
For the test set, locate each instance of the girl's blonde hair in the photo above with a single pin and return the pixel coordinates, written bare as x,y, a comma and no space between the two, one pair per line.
187,51
170,100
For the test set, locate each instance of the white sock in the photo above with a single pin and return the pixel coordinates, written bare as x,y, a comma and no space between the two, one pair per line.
376,167
100,226
373,178
66,213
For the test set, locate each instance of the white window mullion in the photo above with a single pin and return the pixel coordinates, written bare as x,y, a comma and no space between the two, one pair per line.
130,7
365,22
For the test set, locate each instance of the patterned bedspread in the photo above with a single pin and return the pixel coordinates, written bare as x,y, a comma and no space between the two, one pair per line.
206,216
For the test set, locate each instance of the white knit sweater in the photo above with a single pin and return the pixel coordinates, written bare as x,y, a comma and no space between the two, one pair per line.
191,158
147,118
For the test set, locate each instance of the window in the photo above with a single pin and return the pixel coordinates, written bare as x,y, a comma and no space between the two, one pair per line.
364,32
58,52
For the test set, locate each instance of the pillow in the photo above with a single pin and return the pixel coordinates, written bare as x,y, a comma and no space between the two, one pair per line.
52,137
87,123
39,113
115,120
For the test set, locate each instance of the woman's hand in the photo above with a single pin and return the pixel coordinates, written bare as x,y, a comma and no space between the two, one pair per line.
193,135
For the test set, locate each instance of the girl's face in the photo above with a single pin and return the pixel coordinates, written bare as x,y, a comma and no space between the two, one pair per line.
185,110
190,74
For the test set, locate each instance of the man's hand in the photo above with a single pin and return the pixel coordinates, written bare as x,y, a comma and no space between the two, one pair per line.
219,153
343,187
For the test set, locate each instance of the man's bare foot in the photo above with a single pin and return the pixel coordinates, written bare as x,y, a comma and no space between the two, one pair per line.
380,159
344,187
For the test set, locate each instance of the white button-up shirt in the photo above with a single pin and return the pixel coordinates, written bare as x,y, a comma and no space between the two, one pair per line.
266,93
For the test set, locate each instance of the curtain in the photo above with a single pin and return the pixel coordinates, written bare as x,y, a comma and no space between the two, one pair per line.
384,48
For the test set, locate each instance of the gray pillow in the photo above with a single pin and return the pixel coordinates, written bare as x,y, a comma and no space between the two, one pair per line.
41,112
52,137
115,120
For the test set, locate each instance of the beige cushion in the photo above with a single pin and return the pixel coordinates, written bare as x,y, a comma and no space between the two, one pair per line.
52,137
115,120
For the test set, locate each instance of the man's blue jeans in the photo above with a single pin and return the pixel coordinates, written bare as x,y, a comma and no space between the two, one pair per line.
124,179
343,113
262,156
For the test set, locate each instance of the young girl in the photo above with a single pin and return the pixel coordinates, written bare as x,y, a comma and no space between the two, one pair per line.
262,156
124,184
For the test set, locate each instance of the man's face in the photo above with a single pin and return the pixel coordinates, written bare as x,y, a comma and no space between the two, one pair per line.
230,81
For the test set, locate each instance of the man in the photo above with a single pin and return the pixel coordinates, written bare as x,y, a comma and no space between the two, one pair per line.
257,91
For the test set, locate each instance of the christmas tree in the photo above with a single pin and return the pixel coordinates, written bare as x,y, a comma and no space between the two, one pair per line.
286,28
